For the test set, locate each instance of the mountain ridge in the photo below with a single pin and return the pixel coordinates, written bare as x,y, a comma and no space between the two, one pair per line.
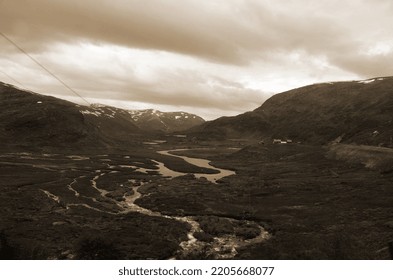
165,121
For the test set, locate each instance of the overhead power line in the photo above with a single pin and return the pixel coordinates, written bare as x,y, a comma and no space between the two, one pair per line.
9,77
43,67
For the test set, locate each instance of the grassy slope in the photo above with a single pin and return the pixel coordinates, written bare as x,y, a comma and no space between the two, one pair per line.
316,114
323,112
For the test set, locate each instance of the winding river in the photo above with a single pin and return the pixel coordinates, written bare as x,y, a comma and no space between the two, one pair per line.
223,247
197,162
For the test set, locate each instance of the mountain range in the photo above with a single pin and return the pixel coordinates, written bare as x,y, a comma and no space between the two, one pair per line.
164,121
350,112
149,120
30,119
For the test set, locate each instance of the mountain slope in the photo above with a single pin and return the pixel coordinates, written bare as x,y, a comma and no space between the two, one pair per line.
247,125
356,111
27,117
111,122
33,120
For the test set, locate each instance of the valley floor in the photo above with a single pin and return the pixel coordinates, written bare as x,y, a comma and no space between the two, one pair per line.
285,202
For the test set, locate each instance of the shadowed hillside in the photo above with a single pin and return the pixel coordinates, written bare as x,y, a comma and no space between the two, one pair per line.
356,111
32,121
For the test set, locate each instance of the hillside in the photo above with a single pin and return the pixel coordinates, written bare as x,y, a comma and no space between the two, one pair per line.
355,111
32,120
247,125
111,122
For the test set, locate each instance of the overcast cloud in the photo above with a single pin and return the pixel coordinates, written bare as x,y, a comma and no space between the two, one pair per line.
212,58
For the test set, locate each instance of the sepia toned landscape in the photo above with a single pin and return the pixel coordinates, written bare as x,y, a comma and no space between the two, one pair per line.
80,190
184,130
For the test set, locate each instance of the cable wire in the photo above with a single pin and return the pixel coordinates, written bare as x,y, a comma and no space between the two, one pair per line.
43,67
9,77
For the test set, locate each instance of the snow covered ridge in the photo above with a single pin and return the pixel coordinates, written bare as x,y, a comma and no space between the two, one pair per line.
136,115
149,119
164,121
365,82
98,113
100,110
369,81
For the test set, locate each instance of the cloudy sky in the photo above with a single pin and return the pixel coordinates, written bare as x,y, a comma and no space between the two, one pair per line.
212,58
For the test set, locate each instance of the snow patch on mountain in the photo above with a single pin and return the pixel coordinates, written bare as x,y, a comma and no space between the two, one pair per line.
151,119
366,81
88,112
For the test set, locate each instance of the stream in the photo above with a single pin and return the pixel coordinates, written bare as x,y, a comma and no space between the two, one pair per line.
223,247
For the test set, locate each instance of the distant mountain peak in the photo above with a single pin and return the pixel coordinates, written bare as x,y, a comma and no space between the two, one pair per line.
147,119
151,119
